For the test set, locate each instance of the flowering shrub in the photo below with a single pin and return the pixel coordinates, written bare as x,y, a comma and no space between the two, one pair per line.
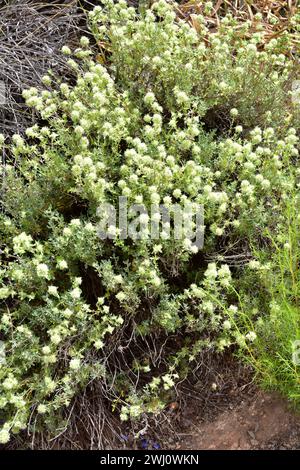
137,123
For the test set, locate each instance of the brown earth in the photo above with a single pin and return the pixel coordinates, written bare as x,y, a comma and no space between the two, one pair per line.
260,422
221,408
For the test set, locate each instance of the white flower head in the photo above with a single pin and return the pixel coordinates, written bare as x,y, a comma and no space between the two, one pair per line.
41,409
4,436
66,50
121,296
52,290
226,325
42,270
75,363
75,293
234,112
62,264
251,336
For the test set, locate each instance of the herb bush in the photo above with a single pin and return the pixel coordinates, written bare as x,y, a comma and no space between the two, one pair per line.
162,114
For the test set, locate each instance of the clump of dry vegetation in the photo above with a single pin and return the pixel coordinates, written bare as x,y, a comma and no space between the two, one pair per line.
32,34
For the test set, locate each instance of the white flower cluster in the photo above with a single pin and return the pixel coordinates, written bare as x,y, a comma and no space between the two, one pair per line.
138,126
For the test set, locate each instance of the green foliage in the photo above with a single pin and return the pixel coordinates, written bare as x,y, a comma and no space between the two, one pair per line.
274,312
141,122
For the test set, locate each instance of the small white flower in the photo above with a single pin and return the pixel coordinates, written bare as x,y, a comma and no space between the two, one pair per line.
236,223
223,86
75,293
121,296
9,383
124,414
46,350
46,80
234,112
62,264
67,231
156,217
211,272
84,41
98,344
118,279
55,338
49,384
157,249
226,325
177,193
144,218
5,319
155,198
187,244
75,223
75,363
66,50
42,270
251,48
64,88
52,290
265,184
68,313
156,281
22,243
224,271
89,227
149,98
4,436
139,199
112,231
4,293
181,97
41,409
254,264
233,309
251,336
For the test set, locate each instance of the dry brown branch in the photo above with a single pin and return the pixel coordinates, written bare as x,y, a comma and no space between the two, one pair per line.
276,15
32,33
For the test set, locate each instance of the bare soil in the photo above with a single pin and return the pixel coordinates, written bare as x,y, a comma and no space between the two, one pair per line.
262,421
221,407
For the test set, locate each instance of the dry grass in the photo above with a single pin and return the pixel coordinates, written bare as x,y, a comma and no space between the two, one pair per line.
32,33
276,15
